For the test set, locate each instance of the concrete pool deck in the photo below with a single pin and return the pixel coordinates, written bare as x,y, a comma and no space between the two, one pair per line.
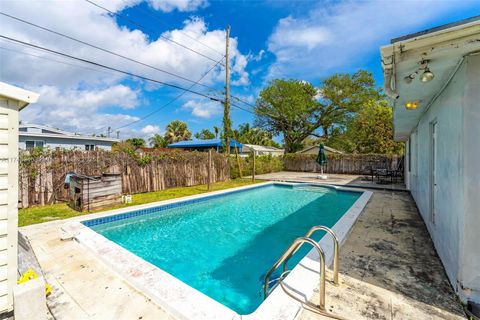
389,270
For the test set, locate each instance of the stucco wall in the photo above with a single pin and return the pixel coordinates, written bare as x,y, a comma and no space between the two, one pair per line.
469,274
456,228
447,111
53,143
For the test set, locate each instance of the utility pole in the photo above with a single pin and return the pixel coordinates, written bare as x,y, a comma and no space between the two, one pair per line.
109,130
227,122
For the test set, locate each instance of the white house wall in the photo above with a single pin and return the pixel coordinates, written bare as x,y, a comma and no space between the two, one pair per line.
469,275
447,111
8,201
53,143
456,231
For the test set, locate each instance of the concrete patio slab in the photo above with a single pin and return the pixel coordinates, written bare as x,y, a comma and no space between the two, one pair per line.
389,270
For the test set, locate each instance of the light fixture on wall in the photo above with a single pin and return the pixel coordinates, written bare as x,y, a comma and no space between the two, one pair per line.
411,105
427,75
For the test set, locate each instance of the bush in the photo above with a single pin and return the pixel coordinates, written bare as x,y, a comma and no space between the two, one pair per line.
263,164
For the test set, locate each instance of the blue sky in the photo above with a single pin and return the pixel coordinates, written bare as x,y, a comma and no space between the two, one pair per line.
306,40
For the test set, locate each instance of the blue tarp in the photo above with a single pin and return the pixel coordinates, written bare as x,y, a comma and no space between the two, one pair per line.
210,143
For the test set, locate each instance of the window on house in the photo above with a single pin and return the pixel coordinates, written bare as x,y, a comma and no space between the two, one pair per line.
89,147
30,144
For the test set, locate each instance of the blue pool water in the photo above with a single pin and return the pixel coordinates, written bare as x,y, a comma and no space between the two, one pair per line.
224,246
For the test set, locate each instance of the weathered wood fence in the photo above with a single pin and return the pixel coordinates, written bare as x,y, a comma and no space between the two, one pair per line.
42,174
340,163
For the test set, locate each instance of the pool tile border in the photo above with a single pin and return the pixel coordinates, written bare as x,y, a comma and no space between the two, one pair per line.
185,302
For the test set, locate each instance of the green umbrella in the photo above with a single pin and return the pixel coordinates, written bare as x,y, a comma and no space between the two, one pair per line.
322,157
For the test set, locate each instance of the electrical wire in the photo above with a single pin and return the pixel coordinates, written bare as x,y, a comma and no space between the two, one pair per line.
53,60
110,68
100,48
154,16
143,27
169,102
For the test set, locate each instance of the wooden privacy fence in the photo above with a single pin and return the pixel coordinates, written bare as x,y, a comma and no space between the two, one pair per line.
340,163
42,174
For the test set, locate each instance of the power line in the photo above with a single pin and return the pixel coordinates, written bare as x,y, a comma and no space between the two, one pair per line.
169,102
100,48
141,26
154,16
111,68
53,60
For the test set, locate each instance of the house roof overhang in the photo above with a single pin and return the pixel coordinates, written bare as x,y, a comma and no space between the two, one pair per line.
445,49
24,97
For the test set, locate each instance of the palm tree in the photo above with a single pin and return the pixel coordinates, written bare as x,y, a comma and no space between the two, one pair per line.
157,141
177,131
216,130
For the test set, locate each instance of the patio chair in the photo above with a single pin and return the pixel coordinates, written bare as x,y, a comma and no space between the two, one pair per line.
388,173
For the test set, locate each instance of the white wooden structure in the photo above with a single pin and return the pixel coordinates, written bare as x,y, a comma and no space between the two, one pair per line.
12,100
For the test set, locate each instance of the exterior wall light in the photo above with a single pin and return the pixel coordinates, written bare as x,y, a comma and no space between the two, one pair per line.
427,75
411,105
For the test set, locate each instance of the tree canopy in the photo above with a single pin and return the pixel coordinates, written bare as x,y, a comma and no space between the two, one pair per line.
157,141
136,142
205,134
298,110
177,131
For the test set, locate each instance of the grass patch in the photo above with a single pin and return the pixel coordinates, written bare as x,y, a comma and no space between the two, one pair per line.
60,211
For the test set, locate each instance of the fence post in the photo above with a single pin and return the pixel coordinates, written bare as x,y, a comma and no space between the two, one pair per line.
209,168
253,173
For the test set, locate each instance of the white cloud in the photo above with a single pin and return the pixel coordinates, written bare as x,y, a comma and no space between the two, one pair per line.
79,110
335,36
81,84
180,5
203,109
150,130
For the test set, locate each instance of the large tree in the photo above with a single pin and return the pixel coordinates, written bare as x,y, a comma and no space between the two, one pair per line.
177,131
205,134
136,142
296,109
370,131
254,135
288,107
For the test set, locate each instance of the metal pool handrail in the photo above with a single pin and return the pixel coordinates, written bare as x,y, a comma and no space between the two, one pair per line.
336,249
297,243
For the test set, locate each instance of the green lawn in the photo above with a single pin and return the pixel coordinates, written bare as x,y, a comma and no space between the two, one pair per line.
58,211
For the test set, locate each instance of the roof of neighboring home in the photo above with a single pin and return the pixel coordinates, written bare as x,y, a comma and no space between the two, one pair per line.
257,147
326,148
57,133
214,143
16,93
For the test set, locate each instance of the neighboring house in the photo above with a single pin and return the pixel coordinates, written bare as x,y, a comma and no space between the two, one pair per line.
205,145
315,149
262,150
35,135
433,78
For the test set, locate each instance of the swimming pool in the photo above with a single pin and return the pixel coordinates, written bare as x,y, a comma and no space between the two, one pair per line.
222,245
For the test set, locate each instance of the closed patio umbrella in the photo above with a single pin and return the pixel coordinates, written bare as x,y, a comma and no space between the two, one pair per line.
321,157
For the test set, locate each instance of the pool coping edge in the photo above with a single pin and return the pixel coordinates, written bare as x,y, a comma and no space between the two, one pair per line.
174,295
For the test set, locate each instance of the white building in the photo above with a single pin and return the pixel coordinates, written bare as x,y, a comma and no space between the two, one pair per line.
12,100
34,135
439,118
262,150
